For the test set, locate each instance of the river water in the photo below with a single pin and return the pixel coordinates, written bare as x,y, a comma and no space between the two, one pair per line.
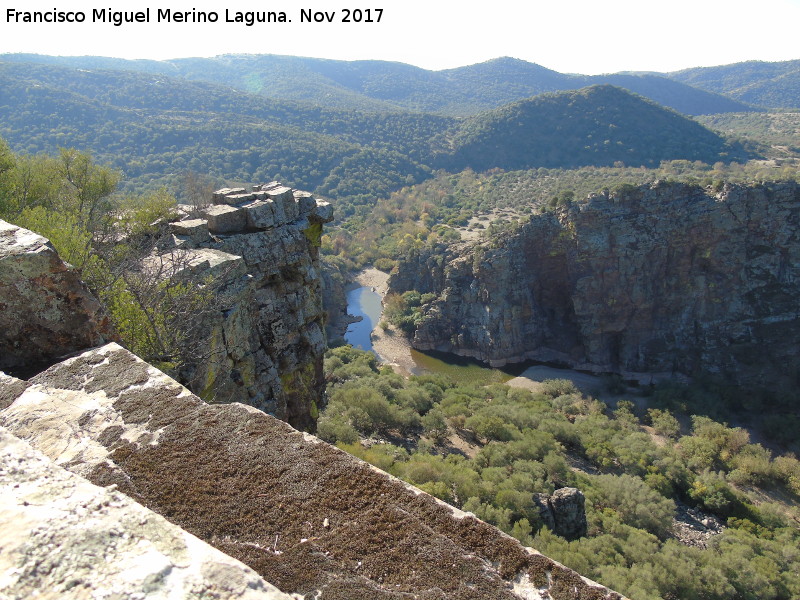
362,302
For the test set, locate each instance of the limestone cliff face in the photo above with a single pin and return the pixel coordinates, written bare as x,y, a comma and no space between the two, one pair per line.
266,340
659,280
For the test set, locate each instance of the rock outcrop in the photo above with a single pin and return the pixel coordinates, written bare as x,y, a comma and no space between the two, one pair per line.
303,515
564,512
307,517
63,537
266,337
655,281
62,315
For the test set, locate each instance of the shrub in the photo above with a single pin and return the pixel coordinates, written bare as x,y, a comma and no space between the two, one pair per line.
663,422
335,429
712,491
434,425
558,387
636,504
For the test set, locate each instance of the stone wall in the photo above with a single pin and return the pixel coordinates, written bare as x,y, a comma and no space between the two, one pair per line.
658,281
266,340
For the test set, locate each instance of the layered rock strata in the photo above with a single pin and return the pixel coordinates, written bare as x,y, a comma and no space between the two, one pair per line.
61,314
656,281
311,519
266,337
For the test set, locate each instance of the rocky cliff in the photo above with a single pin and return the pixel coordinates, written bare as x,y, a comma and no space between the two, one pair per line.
660,280
312,520
265,339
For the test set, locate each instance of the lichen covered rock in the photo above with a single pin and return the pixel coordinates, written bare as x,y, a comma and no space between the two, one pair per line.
564,512
46,311
63,537
266,340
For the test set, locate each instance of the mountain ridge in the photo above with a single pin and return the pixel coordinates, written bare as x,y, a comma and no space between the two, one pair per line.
772,84
154,125
392,86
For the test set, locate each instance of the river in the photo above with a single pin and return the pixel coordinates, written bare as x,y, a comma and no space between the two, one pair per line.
366,303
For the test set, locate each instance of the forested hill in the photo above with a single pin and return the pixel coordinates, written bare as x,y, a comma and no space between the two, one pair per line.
156,127
772,84
391,86
598,125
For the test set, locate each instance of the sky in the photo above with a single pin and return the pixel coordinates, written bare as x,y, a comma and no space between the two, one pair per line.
569,36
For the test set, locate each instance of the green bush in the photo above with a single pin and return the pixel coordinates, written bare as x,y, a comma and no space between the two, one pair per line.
633,501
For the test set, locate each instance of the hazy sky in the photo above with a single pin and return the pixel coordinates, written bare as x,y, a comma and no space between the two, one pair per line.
575,36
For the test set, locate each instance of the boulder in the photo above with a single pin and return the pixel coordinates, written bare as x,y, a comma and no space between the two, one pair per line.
564,512
323,211
225,219
46,311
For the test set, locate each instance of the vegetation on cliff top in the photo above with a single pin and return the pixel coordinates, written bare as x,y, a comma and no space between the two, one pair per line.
472,205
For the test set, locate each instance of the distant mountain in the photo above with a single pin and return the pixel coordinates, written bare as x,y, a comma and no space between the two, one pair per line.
769,84
598,125
156,127
505,80
390,86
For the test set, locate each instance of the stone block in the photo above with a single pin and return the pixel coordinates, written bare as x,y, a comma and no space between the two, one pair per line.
196,230
305,202
290,207
235,199
225,219
323,211
280,192
260,214
219,196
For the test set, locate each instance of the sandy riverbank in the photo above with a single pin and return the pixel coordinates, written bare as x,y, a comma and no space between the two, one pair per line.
372,278
533,377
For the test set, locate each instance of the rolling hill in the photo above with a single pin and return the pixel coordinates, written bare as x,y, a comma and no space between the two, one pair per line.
370,85
598,125
770,84
156,127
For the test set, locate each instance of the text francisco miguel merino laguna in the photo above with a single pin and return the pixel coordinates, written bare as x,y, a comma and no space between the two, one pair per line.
169,15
